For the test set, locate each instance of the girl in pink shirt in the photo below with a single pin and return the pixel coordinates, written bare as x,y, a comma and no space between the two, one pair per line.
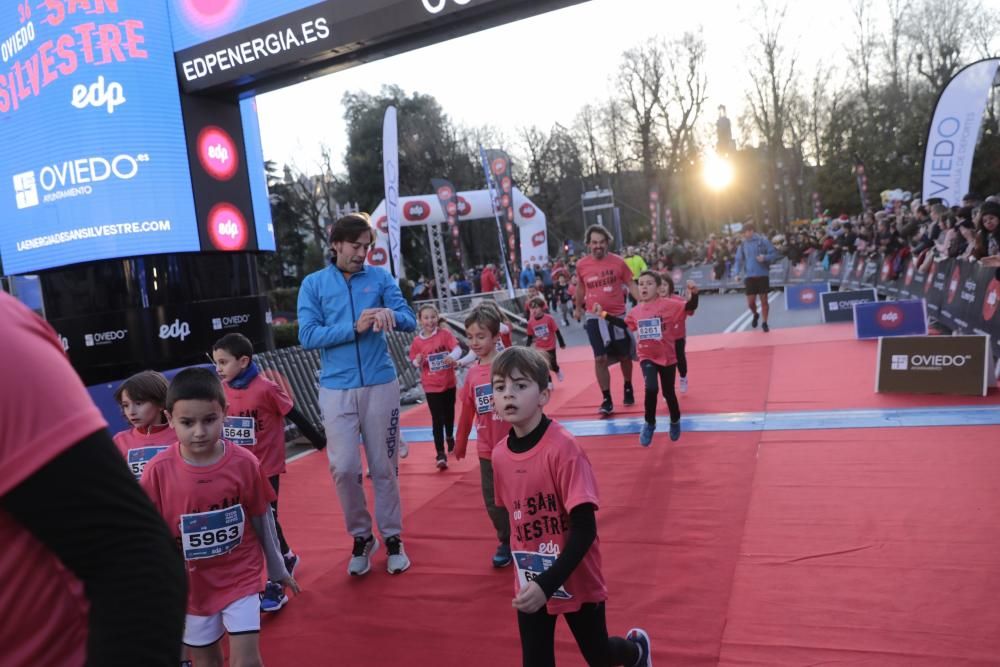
545,481
142,398
653,320
666,291
435,351
543,332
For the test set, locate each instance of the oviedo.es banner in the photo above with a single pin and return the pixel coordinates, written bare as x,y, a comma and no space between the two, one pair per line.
962,295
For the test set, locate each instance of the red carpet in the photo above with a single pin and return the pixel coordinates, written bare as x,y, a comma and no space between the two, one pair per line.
870,547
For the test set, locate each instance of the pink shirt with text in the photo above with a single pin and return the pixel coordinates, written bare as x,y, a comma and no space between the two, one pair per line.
434,375
653,323
235,481
603,280
43,412
477,395
539,488
680,328
139,448
544,332
266,403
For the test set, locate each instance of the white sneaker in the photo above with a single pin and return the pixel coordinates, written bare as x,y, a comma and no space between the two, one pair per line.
404,448
361,556
684,385
398,560
559,374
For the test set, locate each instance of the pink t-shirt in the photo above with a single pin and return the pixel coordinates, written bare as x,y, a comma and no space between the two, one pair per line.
217,503
255,419
603,280
139,448
539,488
680,327
435,376
653,323
544,332
43,412
477,395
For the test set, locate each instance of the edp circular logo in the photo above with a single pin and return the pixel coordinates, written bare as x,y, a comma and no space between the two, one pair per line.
807,296
217,153
527,211
416,211
378,257
890,317
227,228
206,14
382,224
991,302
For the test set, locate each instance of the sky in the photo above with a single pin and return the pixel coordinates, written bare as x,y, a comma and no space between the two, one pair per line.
559,61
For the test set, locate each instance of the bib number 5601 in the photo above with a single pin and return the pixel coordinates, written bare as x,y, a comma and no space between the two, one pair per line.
436,6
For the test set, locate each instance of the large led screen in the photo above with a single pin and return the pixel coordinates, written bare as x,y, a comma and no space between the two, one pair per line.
95,164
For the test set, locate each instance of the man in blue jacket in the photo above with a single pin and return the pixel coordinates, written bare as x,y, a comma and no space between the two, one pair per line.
754,256
344,311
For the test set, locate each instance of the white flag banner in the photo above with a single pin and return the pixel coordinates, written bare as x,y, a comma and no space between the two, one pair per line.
954,132
390,172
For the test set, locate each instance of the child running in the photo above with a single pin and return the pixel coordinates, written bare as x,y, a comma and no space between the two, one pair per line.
435,351
543,333
255,419
482,326
545,481
142,398
653,320
207,489
666,291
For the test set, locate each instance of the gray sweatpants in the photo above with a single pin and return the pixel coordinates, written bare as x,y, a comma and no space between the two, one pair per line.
369,417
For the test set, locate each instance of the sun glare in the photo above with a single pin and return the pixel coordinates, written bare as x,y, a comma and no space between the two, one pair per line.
718,172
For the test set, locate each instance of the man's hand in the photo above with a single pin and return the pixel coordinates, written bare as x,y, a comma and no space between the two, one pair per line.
291,583
385,319
366,320
597,309
529,599
760,258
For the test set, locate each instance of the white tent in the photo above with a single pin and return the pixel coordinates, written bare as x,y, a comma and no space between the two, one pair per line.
472,205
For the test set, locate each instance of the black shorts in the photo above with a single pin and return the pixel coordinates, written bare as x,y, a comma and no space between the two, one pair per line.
757,284
621,347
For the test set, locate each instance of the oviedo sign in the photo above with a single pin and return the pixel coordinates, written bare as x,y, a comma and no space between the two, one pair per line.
934,365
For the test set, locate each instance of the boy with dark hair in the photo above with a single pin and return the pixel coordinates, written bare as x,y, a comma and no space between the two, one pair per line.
482,326
256,408
207,489
556,550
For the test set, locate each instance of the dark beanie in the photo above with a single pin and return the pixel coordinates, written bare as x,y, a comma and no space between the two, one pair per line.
990,208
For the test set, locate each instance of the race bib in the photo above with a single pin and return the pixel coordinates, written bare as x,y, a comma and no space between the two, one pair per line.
211,534
500,347
436,362
650,329
531,564
542,331
484,399
140,456
240,431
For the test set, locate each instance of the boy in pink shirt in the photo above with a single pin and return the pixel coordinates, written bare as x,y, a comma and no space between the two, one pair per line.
476,398
544,479
255,419
543,332
207,490
142,398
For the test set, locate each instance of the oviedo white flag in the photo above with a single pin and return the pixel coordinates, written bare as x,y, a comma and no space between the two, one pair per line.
386,250
954,131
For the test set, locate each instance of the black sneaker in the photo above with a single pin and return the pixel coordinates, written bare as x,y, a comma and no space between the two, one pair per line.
753,322
442,461
451,444
764,327
640,638
629,395
503,556
607,407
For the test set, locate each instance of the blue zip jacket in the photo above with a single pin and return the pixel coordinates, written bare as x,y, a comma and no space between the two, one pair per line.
330,305
746,256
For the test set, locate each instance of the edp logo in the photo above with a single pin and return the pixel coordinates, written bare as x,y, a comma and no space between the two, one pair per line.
437,6
99,95
178,329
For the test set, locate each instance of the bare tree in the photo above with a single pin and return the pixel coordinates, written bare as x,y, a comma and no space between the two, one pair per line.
613,135
640,84
773,78
865,48
586,128
941,29
683,97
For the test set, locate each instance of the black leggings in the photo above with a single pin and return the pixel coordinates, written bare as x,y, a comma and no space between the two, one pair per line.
553,360
652,373
275,481
589,628
442,407
682,361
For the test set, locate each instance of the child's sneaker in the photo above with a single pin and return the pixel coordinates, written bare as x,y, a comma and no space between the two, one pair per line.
646,437
398,560
361,555
442,461
404,448
675,430
684,385
629,395
559,374
503,557
273,598
291,561
639,637
451,444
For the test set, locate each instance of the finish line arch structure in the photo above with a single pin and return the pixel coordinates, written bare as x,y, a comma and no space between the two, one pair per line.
133,185
425,210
